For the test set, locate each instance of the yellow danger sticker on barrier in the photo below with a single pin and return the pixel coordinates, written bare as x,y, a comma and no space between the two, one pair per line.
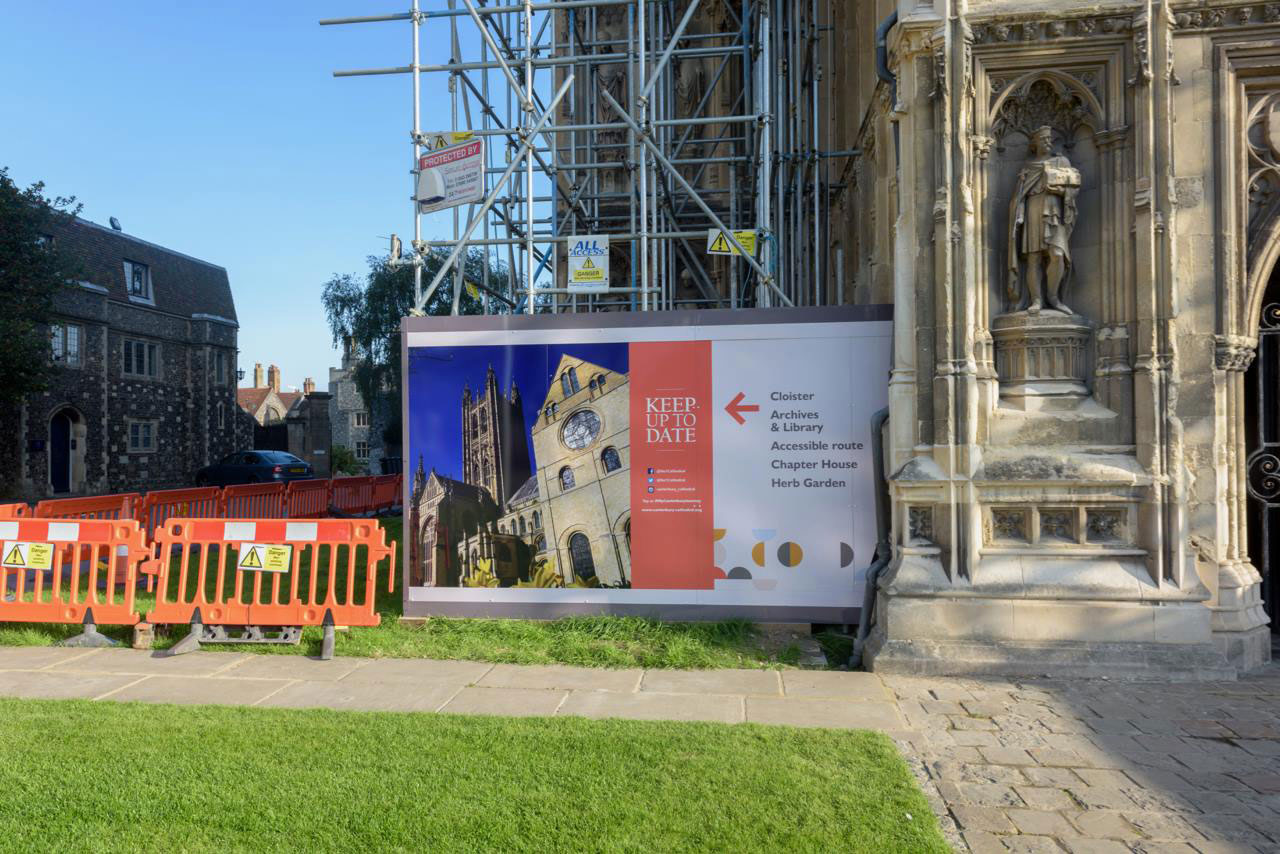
263,557
16,555
719,244
443,139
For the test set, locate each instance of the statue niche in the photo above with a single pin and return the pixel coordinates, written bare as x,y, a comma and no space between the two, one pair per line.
1040,344
1042,216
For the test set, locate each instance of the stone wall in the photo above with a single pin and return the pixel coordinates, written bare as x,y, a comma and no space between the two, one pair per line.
1068,486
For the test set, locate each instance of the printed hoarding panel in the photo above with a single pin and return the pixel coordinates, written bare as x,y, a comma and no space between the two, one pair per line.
678,464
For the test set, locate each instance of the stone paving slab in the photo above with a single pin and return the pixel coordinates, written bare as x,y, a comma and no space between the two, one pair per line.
763,682
292,667
368,697
561,676
841,714
59,686
515,702
651,706
196,690
417,671
144,663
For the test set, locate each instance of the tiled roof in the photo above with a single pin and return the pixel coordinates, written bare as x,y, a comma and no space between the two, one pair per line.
528,491
180,284
251,399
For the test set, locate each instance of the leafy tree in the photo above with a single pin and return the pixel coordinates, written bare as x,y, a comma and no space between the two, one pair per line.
368,314
32,271
342,460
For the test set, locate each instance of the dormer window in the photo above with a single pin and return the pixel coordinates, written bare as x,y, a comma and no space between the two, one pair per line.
137,279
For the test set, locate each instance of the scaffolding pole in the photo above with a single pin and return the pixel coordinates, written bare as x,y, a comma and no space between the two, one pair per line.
660,124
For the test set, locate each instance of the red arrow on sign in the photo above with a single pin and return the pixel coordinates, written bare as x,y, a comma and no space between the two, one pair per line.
736,407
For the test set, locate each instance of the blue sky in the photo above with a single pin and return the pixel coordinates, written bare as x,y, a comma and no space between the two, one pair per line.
217,129
437,376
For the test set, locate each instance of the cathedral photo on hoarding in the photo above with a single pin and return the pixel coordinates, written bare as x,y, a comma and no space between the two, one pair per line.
541,494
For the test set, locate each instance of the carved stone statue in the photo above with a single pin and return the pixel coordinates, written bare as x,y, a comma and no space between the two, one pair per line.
1042,216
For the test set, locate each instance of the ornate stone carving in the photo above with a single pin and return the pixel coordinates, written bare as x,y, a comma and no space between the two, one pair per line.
1041,101
1262,142
1042,216
1227,16
1057,525
1052,29
1105,525
1009,524
1040,359
1141,51
1236,352
920,523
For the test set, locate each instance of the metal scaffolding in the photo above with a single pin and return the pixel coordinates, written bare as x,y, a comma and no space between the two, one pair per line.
650,122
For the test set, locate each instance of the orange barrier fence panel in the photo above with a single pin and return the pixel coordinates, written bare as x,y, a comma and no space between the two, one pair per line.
203,502
53,571
119,506
277,572
14,511
386,491
253,501
352,494
306,499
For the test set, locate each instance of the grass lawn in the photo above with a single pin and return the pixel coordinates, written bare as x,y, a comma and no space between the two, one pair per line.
583,641
79,775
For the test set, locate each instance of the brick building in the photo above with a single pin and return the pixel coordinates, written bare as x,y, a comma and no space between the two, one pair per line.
145,394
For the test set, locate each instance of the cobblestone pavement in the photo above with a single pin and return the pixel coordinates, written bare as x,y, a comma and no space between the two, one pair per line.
1097,766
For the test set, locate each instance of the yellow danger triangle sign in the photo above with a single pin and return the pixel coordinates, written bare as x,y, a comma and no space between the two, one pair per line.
587,265
14,558
251,560
719,245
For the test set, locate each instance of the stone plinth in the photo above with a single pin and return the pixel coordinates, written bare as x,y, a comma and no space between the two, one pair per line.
1041,359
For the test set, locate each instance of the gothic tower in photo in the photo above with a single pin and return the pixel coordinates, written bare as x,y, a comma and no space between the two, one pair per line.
495,447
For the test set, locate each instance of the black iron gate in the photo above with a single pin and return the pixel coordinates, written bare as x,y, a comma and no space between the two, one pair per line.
1262,468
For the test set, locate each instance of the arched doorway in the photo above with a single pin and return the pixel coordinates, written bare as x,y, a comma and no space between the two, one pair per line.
1262,433
66,450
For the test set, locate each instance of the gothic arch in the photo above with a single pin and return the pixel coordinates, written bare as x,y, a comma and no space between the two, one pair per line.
1260,203
1044,97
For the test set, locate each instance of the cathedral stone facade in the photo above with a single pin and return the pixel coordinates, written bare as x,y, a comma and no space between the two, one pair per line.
503,517
1074,209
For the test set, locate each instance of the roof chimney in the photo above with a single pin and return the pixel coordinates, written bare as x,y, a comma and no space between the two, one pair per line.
308,385
273,378
257,375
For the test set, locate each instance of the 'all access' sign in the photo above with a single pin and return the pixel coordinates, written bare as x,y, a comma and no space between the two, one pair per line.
589,263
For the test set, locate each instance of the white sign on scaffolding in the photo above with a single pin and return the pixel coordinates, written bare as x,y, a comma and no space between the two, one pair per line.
451,176
589,263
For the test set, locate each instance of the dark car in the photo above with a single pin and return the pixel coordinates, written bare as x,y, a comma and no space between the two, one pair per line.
254,467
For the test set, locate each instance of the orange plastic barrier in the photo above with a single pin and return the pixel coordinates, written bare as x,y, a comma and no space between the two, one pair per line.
306,499
236,579
87,561
14,511
120,506
157,507
253,501
352,495
386,492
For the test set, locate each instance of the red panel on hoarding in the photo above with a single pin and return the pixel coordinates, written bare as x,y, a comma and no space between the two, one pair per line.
671,478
